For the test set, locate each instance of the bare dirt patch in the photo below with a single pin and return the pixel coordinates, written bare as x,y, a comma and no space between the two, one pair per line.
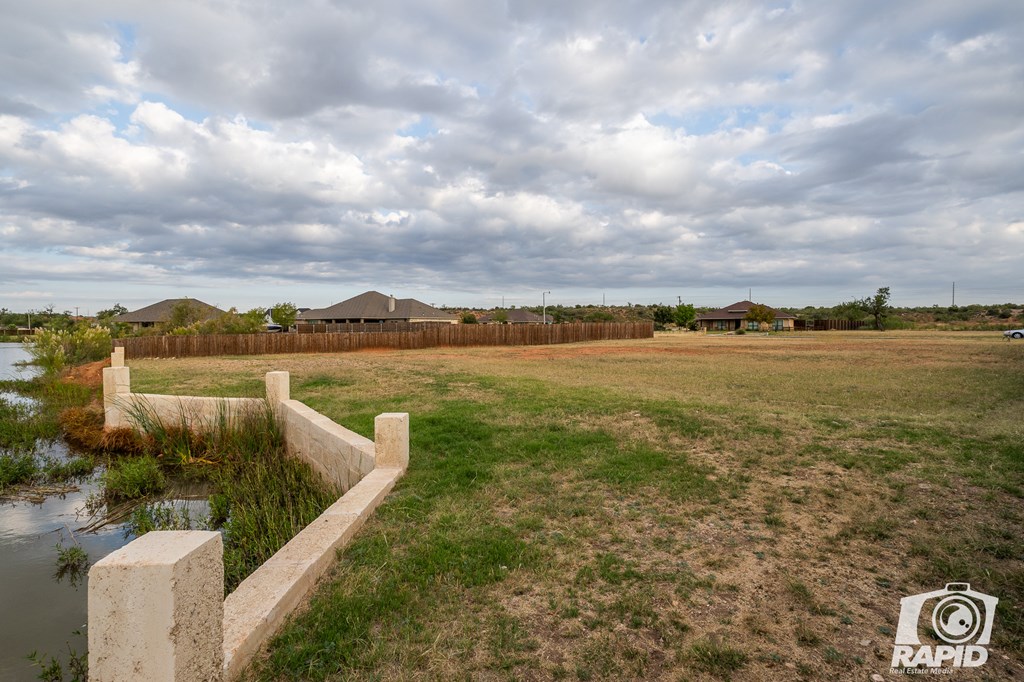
89,374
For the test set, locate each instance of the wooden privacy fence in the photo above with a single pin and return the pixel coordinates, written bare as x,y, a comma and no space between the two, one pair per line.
446,335
307,328
827,325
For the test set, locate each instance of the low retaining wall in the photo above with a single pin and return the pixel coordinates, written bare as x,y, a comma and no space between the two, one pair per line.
156,606
341,457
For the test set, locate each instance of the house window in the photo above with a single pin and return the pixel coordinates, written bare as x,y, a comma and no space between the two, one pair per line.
752,326
721,325
778,326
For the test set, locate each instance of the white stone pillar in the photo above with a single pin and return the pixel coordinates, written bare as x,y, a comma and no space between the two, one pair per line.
278,391
278,387
391,440
117,386
117,357
156,610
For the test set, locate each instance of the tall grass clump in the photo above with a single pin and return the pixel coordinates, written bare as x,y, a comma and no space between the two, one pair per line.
55,349
263,497
132,479
17,468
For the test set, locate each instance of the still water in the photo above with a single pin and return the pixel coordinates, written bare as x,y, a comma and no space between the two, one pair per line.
36,612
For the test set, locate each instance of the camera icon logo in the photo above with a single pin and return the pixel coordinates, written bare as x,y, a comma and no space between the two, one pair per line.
959,616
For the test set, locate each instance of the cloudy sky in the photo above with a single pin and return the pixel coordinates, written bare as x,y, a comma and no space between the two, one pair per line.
466,151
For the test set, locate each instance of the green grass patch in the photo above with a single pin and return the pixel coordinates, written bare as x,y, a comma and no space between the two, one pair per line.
720,660
17,468
131,479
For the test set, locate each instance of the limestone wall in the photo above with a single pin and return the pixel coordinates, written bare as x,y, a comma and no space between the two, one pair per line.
340,456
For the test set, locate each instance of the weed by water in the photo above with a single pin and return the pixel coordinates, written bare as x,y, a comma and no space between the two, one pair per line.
131,479
60,470
22,426
159,516
262,499
82,427
72,563
52,670
265,498
17,468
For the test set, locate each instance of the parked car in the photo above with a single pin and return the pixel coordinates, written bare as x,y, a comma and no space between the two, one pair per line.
1014,333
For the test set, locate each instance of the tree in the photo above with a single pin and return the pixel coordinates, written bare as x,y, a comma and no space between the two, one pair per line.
184,313
761,314
469,318
233,322
662,314
284,314
878,307
849,310
599,316
118,309
683,314
501,317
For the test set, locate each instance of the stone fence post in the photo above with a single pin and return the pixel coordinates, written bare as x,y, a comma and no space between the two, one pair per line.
391,440
278,390
156,610
117,385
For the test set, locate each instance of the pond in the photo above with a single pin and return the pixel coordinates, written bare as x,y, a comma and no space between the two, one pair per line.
41,613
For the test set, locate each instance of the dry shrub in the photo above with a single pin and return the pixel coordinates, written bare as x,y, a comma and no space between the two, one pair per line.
82,427
122,440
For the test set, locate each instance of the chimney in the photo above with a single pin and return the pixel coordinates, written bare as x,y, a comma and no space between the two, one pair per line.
391,304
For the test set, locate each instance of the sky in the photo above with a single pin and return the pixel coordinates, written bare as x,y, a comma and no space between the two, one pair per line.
481,153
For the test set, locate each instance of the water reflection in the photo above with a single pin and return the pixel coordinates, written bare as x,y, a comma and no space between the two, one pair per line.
10,355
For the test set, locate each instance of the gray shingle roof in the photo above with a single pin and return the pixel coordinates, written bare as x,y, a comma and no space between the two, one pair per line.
738,310
161,312
373,305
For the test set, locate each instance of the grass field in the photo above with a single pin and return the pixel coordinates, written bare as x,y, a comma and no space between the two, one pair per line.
680,508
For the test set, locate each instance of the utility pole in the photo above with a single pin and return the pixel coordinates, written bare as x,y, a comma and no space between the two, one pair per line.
680,299
544,305
954,295
750,295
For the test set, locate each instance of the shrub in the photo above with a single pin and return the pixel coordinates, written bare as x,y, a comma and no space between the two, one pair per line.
133,478
54,349
121,440
82,427
76,467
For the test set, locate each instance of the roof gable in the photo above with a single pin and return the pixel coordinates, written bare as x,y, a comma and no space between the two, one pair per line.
161,311
373,305
738,310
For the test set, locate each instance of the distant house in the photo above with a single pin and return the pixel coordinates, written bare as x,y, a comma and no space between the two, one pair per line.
159,313
373,307
514,316
731,318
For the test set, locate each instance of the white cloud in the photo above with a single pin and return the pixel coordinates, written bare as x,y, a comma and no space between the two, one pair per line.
581,144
